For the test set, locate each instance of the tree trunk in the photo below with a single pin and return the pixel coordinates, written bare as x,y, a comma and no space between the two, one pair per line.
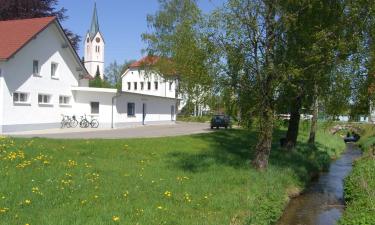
293,128
263,147
314,120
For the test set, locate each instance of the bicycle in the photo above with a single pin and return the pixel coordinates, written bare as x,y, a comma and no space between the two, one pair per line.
73,122
65,122
85,123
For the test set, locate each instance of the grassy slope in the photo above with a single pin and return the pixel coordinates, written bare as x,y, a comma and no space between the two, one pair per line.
199,179
360,186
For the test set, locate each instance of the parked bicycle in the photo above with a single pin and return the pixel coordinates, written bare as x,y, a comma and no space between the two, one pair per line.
85,123
69,122
65,122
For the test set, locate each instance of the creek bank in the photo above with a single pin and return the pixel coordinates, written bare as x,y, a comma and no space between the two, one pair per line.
322,203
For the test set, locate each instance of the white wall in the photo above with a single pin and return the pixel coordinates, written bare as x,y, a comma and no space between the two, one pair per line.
158,109
83,106
46,48
134,75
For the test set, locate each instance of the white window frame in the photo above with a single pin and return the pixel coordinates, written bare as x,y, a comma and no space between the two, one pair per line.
18,102
49,97
63,102
135,86
55,74
129,86
37,73
170,86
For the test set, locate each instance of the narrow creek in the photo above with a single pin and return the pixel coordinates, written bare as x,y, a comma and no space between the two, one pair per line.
323,202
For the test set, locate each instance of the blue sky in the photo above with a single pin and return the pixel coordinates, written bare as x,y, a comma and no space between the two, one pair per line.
121,22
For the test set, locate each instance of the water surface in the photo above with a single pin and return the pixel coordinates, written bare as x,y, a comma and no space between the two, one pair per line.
323,201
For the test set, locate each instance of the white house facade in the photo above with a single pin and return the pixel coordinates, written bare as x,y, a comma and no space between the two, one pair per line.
42,78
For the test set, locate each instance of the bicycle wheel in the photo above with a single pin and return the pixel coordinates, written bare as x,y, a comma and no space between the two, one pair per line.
94,123
73,123
86,123
67,123
83,123
62,123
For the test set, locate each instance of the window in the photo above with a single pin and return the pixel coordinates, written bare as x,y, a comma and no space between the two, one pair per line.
94,107
131,109
44,99
36,67
20,97
64,100
135,86
149,85
1,74
156,85
170,86
129,86
54,67
142,85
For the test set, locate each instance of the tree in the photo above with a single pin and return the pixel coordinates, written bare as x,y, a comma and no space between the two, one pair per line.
176,39
114,72
253,28
24,9
312,38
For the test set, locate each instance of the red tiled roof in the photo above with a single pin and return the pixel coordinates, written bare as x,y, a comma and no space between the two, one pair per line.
145,61
14,34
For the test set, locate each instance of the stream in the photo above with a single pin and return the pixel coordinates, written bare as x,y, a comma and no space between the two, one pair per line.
323,202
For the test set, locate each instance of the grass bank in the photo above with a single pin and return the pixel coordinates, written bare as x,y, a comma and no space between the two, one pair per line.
198,179
360,185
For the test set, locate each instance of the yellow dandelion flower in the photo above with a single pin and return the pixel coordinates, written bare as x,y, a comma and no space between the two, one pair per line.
27,201
115,218
168,194
160,207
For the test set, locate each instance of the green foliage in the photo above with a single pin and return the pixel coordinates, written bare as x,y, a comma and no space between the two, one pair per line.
199,119
114,71
97,82
360,185
198,179
178,41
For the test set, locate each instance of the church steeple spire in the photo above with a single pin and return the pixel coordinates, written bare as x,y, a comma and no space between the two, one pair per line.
94,47
94,29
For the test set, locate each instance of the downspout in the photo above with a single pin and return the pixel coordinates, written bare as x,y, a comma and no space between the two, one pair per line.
113,102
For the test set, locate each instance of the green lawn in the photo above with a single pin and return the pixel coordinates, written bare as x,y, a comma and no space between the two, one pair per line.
198,179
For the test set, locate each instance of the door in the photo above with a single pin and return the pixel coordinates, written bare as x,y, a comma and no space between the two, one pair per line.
144,113
172,113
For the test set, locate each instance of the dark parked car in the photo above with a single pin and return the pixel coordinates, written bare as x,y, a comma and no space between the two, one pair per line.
220,121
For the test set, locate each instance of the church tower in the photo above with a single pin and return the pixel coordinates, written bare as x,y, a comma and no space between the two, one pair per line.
94,48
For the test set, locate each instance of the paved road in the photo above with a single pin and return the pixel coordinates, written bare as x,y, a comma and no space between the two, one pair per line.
177,129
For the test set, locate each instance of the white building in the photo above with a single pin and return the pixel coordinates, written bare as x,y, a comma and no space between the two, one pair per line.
42,77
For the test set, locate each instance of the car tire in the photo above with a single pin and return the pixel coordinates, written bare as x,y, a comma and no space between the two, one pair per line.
212,127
